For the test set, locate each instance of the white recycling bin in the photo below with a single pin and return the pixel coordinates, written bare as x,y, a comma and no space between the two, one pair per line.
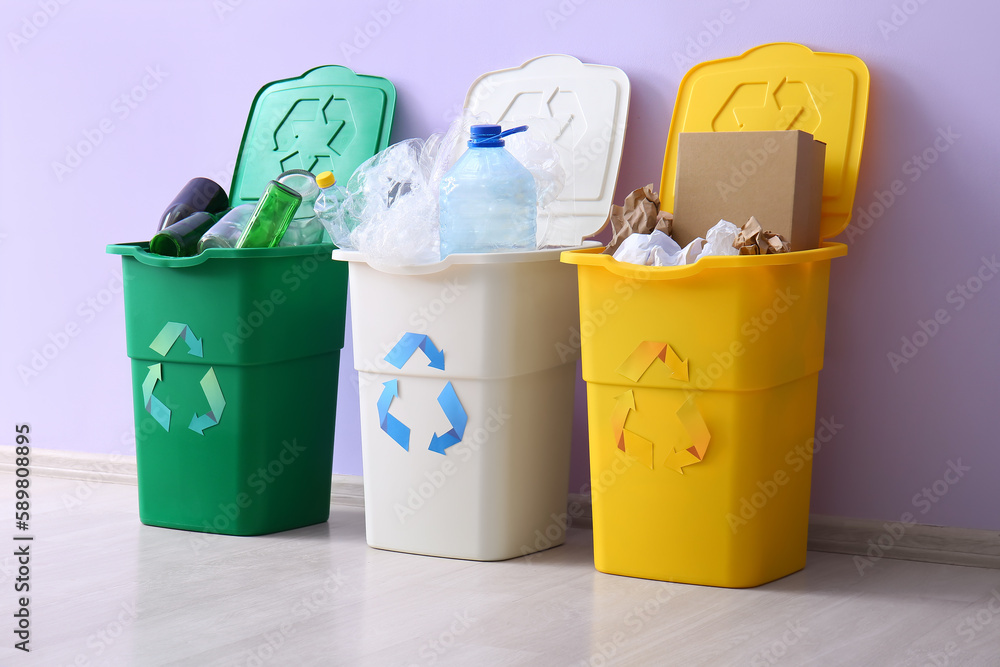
467,367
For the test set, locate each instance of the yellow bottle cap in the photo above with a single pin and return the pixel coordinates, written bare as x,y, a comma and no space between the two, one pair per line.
325,179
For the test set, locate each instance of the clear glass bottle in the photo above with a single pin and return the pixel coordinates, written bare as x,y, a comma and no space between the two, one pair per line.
227,231
305,228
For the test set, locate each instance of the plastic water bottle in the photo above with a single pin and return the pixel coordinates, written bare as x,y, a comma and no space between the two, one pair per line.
304,228
226,232
488,199
270,219
329,209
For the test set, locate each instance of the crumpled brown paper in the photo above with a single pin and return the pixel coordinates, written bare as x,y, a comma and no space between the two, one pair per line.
753,240
641,214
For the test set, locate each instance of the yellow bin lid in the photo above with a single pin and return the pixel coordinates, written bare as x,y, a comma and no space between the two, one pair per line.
781,86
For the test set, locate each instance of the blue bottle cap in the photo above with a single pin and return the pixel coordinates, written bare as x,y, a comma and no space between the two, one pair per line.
490,136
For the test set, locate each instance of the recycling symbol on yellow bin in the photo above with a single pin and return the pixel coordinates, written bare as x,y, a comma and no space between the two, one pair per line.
164,340
633,368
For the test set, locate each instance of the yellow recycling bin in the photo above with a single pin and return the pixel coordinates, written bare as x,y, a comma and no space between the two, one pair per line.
701,379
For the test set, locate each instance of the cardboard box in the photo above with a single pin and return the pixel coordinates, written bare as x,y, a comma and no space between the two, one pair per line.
775,176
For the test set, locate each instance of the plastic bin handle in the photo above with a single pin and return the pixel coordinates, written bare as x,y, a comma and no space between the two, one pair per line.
140,252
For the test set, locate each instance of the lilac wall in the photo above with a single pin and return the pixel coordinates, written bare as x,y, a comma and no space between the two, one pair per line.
64,77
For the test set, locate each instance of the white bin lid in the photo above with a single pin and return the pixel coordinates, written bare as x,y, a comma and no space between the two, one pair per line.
591,103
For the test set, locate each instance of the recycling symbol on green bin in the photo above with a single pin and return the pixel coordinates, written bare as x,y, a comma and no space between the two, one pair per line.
309,126
209,383
447,399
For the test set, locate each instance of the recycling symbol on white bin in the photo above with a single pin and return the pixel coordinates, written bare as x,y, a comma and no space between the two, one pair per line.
447,399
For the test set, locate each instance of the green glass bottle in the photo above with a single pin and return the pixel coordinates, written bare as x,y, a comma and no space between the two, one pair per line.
270,219
181,238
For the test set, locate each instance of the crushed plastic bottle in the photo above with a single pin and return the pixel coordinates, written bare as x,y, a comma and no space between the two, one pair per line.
488,199
329,209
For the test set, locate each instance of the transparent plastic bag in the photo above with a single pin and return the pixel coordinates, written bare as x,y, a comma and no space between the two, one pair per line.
392,208
537,151
391,204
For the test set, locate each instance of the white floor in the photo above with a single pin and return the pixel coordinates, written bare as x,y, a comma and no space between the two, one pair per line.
106,590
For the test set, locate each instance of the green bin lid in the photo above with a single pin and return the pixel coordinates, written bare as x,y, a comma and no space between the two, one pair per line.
328,119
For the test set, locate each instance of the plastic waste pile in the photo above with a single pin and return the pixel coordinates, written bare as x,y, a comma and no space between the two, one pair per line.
474,188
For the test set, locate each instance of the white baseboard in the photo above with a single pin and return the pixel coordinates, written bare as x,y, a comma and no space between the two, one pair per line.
347,490
931,544
110,468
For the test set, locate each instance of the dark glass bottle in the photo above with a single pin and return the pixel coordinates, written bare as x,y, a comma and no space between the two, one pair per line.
181,238
200,194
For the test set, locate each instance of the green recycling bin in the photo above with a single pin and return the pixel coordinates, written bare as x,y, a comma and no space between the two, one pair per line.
235,353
